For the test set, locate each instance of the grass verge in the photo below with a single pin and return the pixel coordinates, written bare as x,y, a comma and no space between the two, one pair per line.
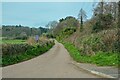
100,58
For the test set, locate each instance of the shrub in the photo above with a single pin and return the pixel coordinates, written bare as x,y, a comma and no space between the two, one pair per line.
96,27
104,23
108,40
11,49
14,53
50,35
105,41
31,41
90,44
116,47
69,30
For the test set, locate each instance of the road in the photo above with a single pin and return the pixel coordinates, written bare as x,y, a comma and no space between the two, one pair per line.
56,63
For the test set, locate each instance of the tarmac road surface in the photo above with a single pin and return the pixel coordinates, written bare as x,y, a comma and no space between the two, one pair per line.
56,63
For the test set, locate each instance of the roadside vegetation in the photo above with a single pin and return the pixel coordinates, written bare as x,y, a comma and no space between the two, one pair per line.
17,52
96,40
100,58
19,43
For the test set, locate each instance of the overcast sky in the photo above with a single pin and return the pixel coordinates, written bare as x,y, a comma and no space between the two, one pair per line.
36,14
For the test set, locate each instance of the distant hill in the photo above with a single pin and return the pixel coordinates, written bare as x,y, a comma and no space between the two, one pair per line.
21,32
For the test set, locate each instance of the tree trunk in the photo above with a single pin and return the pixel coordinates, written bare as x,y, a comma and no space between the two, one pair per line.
81,27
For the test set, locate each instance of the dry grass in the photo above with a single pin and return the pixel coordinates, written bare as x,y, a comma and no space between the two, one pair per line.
109,37
31,41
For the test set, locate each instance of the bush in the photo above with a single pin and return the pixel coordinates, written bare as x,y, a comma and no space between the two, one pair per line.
69,30
90,44
31,41
116,46
50,36
14,53
104,23
109,40
11,49
96,27
105,41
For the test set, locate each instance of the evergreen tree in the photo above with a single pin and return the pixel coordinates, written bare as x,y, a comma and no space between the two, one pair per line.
81,16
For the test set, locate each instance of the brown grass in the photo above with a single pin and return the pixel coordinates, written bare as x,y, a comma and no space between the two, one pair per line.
31,41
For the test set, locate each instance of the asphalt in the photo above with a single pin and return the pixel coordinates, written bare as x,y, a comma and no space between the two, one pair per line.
103,71
56,63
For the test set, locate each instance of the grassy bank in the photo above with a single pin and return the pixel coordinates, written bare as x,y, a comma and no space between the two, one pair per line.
100,58
33,51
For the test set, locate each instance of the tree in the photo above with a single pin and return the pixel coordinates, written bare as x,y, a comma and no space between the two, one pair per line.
105,13
111,9
82,16
113,6
23,35
14,31
99,12
68,22
61,20
52,24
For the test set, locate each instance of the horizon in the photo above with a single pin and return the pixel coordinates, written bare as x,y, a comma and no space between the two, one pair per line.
38,14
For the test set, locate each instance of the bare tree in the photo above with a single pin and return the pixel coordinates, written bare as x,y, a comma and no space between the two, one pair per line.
52,25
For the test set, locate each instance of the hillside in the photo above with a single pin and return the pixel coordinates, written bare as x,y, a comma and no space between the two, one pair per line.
96,40
104,40
100,48
21,32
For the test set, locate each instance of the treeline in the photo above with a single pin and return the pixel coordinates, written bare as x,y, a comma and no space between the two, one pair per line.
20,32
105,16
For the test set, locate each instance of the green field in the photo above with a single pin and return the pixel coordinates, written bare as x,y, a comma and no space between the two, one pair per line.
12,41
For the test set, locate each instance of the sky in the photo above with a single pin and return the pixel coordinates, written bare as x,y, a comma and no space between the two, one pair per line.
36,14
